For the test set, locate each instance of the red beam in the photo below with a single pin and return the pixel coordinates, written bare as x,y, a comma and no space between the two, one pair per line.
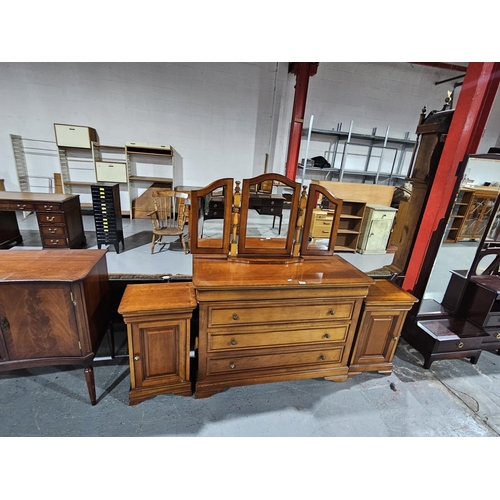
303,71
469,119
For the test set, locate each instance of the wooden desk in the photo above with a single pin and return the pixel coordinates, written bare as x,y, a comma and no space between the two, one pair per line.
59,218
53,314
268,321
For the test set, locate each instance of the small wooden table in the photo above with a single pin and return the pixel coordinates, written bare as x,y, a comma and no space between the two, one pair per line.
59,218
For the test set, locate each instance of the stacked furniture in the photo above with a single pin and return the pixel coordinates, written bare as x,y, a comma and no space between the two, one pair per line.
268,309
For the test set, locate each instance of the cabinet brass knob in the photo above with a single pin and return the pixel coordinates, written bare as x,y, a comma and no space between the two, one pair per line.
331,312
395,338
327,335
322,357
232,366
233,342
215,213
460,345
235,317
137,358
498,335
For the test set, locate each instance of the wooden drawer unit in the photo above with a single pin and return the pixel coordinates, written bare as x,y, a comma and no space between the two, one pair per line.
382,318
291,326
376,229
158,327
321,224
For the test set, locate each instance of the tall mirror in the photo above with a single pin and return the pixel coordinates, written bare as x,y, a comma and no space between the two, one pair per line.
321,221
471,214
269,206
210,217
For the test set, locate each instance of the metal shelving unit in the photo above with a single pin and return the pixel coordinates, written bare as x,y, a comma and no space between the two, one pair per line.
344,145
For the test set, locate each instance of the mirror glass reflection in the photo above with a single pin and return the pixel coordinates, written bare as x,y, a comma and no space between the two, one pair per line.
211,218
268,216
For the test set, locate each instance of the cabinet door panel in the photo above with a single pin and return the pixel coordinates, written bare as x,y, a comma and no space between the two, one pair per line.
377,338
41,320
158,354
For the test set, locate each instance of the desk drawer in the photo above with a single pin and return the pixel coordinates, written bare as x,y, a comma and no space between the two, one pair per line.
460,344
240,340
223,315
54,242
53,230
48,207
17,206
270,210
320,358
49,218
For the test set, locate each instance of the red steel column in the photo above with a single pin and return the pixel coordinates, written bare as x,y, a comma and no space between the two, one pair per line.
302,71
469,119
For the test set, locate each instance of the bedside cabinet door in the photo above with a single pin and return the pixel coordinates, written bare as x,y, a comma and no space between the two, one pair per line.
377,338
158,354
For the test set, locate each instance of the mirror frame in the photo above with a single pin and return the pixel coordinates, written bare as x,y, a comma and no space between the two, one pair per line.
194,244
243,245
312,199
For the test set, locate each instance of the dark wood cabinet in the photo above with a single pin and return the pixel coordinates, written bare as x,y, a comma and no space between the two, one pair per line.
158,319
52,314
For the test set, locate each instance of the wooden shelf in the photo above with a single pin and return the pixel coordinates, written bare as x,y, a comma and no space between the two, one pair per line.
150,179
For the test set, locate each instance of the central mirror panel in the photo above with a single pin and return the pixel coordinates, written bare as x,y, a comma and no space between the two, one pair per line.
210,218
269,207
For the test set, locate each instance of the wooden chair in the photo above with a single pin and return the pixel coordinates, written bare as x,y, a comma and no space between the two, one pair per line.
169,217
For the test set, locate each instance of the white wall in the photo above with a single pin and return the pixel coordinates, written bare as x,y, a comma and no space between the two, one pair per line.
223,118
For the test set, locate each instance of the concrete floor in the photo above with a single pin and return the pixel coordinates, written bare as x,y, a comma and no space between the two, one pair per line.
452,399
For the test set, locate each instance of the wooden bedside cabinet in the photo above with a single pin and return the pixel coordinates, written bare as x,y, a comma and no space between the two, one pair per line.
383,315
158,326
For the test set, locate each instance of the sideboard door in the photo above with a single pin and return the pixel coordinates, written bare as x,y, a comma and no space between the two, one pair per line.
38,320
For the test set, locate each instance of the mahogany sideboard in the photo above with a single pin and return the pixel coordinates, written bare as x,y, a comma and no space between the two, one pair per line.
53,314
59,218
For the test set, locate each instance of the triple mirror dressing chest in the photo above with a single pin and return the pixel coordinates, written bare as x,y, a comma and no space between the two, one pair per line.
273,303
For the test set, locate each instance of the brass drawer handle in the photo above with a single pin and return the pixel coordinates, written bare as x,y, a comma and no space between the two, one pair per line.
21,207
235,317
49,219
232,366
322,357
52,230
331,312
54,242
498,336
233,342
137,358
327,335
460,345
272,203
48,207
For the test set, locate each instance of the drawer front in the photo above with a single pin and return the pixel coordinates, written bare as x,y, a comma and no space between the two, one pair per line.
18,206
457,345
269,202
53,230
48,207
219,205
237,340
492,320
50,218
54,242
224,315
270,210
321,359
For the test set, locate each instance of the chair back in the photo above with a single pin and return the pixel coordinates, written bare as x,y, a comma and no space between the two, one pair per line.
170,208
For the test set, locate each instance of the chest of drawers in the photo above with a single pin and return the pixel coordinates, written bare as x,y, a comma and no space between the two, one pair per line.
260,323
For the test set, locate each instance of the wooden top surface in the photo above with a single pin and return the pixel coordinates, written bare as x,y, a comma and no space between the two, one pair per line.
383,291
354,191
47,265
34,197
276,273
157,297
